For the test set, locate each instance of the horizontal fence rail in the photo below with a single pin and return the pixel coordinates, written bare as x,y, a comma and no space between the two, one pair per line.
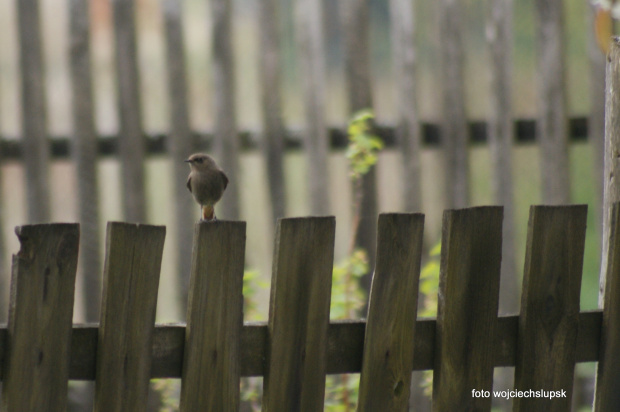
299,345
158,143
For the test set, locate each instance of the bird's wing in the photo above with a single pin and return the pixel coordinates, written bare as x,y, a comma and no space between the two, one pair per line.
225,178
189,183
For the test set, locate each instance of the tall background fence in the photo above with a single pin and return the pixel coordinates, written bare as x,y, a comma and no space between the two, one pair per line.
479,102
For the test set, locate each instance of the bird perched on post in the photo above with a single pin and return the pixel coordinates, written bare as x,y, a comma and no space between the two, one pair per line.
207,182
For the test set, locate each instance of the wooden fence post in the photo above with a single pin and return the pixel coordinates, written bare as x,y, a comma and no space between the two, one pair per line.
552,122
309,32
214,318
548,323
85,155
606,393
271,103
611,193
408,129
596,116
36,367
471,255
454,133
130,285
356,23
388,344
131,142
500,137
226,143
299,314
34,113
607,396
180,145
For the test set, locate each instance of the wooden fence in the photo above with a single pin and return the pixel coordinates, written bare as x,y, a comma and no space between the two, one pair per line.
299,345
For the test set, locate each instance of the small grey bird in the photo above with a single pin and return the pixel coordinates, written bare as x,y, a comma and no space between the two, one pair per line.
207,182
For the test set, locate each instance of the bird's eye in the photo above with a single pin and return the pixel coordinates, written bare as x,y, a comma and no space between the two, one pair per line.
199,160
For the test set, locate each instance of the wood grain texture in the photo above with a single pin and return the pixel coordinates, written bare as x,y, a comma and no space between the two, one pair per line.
607,396
611,186
471,254
454,116
214,318
37,349
180,145
310,42
345,346
131,144
549,318
552,125
85,154
388,358
273,131
130,285
299,314
34,113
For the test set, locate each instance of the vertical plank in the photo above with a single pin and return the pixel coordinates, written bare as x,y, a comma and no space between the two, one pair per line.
214,318
271,103
36,369
309,18
34,113
607,395
130,284
596,116
388,343
129,111
471,255
356,23
552,124
226,142
84,152
550,305
299,314
180,143
454,118
501,136
501,131
611,187
408,129
4,266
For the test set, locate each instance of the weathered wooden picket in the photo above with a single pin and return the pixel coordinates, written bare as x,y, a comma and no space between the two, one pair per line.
298,346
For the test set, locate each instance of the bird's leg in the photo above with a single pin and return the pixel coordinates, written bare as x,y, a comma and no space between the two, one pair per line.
208,213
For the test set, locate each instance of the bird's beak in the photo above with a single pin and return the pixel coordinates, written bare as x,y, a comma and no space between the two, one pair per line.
187,161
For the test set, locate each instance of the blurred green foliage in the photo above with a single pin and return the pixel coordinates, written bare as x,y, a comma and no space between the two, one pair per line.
363,144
